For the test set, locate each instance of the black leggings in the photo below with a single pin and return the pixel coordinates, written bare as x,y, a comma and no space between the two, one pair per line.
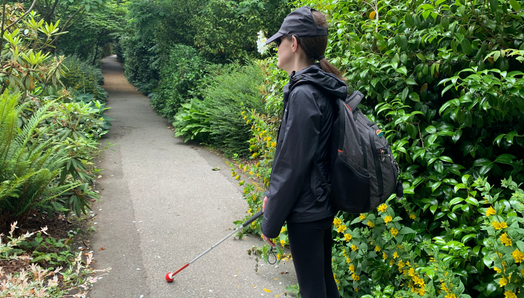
310,245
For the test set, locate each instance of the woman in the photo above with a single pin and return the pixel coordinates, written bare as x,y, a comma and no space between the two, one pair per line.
296,194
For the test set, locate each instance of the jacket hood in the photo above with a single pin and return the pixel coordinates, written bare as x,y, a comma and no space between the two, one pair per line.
314,75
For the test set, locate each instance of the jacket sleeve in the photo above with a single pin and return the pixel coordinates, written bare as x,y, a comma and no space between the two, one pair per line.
292,164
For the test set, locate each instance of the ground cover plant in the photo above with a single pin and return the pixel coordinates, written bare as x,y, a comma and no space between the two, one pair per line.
444,80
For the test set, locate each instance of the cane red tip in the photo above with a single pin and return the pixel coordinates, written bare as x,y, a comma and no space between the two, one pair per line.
169,277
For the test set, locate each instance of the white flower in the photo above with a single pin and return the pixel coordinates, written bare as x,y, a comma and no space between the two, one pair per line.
261,43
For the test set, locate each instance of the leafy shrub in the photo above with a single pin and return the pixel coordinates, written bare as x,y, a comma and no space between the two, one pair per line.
192,122
84,78
445,81
28,64
224,102
182,69
30,165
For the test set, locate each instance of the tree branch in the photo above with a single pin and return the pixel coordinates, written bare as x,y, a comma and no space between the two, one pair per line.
63,28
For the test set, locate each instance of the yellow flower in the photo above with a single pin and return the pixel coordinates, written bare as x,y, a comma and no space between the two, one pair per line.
370,224
392,262
499,225
237,177
384,255
282,242
518,256
382,208
355,277
394,232
490,211
395,255
498,270
274,144
337,222
341,228
362,216
504,239
377,248
352,268
267,290
388,219
412,216
347,237
503,281
348,260
354,247
509,294
283,229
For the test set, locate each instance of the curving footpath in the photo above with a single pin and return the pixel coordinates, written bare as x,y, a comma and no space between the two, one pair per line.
162,205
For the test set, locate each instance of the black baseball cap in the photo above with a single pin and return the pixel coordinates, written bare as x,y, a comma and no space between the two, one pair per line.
300,23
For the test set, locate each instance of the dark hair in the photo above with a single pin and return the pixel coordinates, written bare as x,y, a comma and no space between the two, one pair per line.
315,46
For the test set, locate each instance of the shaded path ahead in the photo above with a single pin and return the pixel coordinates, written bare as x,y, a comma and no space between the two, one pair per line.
162,205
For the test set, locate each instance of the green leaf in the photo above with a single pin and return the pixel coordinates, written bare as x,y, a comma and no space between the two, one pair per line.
434,185
412,130
405,93
515,4
433,209
481,162
403,70
455,201
410,81
466,46
472,201
431,129
446,159
505,158
406,230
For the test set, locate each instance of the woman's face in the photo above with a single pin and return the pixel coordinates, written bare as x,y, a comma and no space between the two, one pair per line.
285,54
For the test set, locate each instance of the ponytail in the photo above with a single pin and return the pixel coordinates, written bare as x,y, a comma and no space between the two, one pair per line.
330,68
315,46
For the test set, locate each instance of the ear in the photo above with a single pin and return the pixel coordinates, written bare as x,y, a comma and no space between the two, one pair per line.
295,42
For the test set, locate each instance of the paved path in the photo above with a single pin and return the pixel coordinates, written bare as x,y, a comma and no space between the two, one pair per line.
162,205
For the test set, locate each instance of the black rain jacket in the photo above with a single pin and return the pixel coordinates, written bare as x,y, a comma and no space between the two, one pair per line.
303,138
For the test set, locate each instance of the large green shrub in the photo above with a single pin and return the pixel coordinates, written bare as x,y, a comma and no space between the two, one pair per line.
445,81
182,69
219,118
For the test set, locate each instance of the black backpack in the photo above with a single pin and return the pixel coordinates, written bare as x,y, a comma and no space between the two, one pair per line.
363,171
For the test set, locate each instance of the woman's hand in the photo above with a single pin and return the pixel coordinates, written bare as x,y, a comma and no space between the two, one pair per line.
264,236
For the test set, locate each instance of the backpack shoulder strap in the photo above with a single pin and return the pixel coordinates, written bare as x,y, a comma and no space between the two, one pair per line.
354,100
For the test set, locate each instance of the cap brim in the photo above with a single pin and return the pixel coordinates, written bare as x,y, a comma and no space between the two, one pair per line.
274,37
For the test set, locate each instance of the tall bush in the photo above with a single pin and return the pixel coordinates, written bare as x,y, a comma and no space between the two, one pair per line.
444,80
182,69
219,118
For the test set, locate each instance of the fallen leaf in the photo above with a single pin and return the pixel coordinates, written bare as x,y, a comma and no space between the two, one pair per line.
101,248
